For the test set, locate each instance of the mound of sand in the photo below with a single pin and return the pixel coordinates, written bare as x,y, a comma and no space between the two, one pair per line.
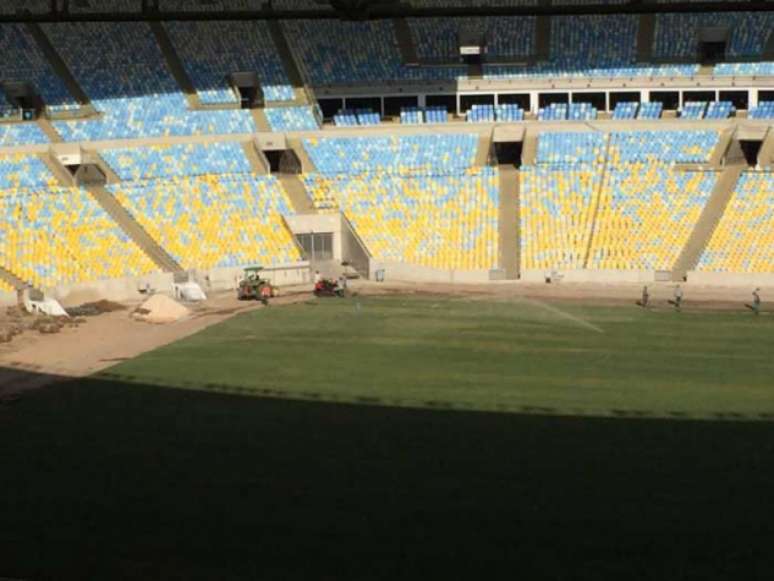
160,309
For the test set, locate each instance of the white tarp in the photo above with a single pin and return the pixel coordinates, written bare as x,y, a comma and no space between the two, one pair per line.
49,307
189,291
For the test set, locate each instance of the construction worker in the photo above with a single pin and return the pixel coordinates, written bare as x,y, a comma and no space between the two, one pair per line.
678,300
645,297
755,307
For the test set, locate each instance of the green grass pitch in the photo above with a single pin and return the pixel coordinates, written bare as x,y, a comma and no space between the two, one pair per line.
119,476
477,354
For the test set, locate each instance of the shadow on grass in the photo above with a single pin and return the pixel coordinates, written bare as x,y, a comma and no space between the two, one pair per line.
106,479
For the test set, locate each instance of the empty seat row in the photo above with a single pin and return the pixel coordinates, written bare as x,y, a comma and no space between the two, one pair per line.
355,117
419,115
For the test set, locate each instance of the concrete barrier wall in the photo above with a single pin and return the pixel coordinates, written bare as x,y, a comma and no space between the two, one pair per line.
731,279
223,279
596,276
398,271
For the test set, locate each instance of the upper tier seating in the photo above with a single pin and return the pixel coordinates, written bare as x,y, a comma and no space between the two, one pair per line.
401,155
509,112
10,7
745,69
105,7
211,50
445,222
166,161
693,110
554,112
719,110
763,110
646,213
556,215
437,39
418,115
121,68
744,238
21,134
625,110
215,221
21,170
481,113
23,61
59,236
357,117
650,110
213,5
571,148
676,33
343,52
436,114
299,5
301,118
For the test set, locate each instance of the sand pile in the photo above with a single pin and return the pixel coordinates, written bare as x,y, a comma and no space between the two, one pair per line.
160,309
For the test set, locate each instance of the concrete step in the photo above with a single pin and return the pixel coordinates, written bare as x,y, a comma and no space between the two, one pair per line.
708,221
175,65
58,64
134,230
645,38
508,222
296,191
295,144
405,40
724,142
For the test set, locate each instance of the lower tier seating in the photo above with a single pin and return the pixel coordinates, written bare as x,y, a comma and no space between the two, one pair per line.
445,222
53,236
215,221
21,170
646,214
556,215
744,238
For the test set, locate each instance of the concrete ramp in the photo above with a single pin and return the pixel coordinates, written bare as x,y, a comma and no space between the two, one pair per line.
296,191
708,221
723,145
288,62
175,65
408,52
61,174
509,252
298,147
134,230
260,120
48,128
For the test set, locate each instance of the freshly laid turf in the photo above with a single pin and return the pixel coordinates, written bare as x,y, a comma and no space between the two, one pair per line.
475,354
107,479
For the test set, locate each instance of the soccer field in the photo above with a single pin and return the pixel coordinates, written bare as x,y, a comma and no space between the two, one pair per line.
509,355
104,478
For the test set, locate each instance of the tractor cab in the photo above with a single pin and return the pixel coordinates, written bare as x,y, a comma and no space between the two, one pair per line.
253,287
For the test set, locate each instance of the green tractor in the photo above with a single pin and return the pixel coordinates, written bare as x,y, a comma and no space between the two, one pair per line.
253,287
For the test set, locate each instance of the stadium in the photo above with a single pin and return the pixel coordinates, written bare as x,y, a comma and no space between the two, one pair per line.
299,289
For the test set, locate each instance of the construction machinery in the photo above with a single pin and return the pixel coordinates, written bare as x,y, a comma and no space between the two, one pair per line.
253,287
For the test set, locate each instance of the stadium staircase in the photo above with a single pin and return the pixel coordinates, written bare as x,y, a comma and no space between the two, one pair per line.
768,51
721,149
175,65
408,52
296,192
508,221
307,165
596,201
48,128
58,170
708,220
543,38
61,69
133,229
11,279
645,33
484,150
302,96
260,120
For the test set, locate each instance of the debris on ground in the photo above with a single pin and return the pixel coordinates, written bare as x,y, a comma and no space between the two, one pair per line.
95,308
160,309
